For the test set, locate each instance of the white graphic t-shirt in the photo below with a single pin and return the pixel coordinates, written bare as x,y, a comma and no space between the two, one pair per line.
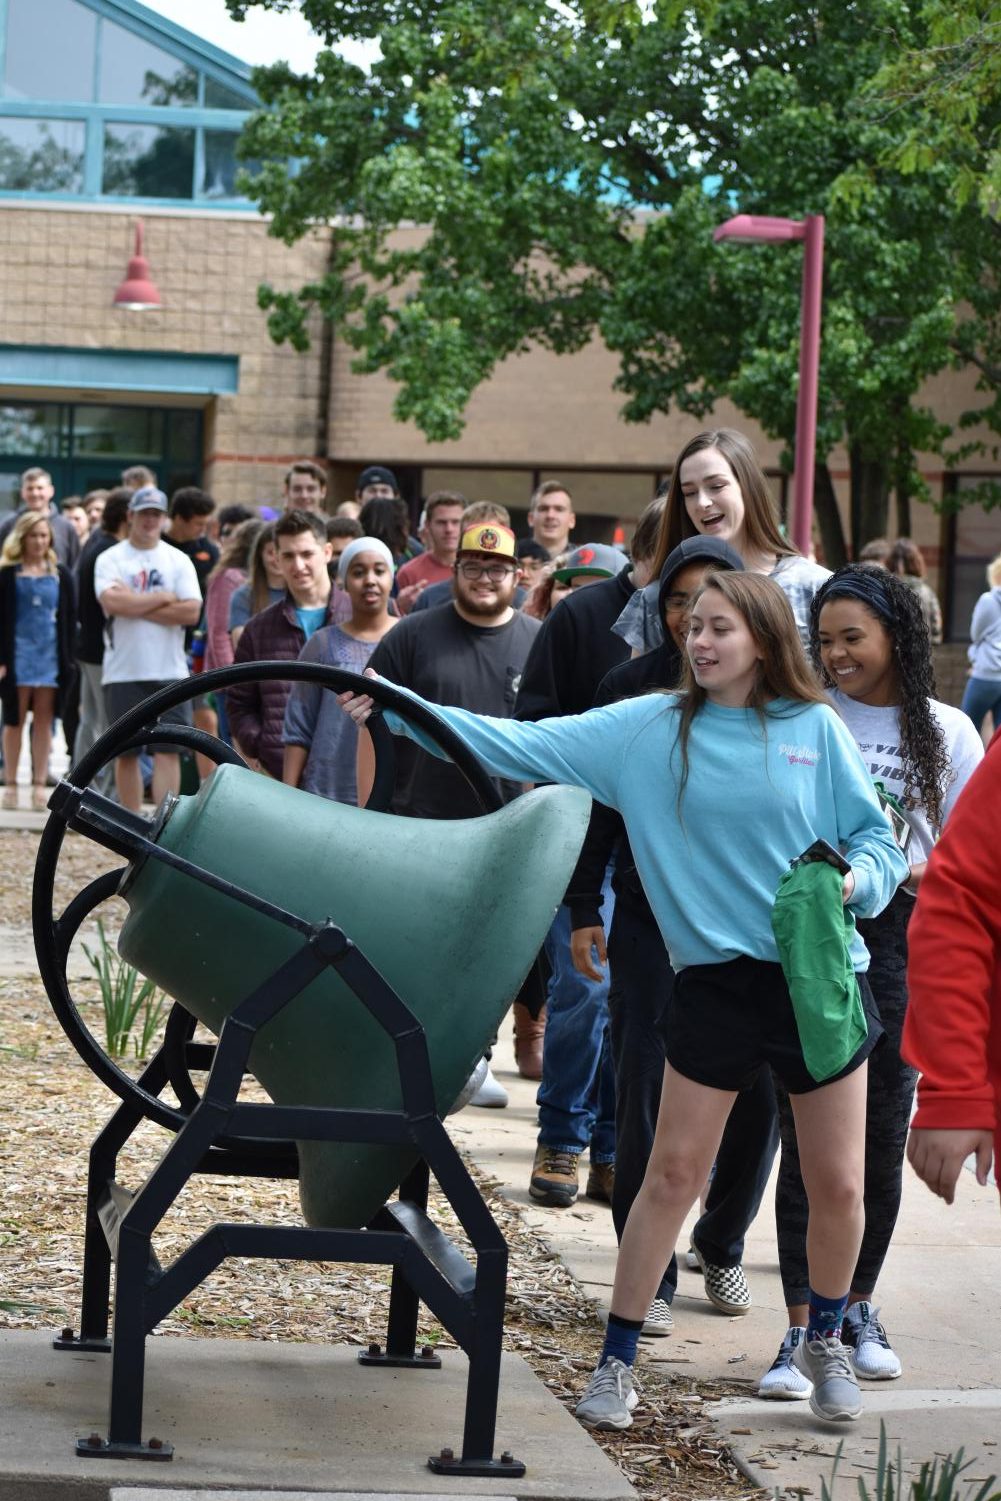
138,650
877,733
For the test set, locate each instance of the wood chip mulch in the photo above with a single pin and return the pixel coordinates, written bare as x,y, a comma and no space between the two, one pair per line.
51,1107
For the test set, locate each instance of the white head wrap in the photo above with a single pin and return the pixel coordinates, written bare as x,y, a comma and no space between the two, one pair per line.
363,544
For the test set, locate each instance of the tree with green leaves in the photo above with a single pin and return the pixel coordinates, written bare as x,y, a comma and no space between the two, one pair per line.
567,163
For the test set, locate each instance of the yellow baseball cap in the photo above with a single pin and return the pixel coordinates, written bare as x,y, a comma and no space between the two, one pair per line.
489,537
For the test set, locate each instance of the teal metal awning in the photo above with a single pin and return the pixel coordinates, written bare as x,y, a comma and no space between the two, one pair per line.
153,371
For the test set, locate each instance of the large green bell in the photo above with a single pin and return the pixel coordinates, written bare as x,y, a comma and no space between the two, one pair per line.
451,913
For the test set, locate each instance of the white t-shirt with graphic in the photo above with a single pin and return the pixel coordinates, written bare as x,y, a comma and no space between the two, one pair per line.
877,733
138,650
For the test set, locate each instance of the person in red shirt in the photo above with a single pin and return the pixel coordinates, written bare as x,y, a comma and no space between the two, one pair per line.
442,529
952,1033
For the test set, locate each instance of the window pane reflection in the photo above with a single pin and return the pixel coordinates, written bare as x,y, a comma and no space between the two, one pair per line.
148,161
222,165
136,72
41,156
218,96
134,431
29,430
35,67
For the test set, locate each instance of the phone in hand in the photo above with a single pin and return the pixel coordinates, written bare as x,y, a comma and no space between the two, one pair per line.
822,852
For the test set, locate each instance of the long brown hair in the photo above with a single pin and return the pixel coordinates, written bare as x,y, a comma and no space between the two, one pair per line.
783,671
761,527
258,575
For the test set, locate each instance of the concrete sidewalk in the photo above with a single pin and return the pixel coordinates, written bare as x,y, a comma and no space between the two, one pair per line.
939,1294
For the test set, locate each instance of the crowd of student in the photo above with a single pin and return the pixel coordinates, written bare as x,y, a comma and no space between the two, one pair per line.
727,702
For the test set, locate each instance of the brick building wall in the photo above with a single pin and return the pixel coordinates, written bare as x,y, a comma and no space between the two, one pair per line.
59,268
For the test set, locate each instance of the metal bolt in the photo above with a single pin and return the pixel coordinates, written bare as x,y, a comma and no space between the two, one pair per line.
447,1456
427,1352
374,1349
155,1443
94,1441
67,1333
507,1458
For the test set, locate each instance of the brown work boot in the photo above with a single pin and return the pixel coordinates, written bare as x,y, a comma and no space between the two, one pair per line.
529,1031
600,1182
554,1177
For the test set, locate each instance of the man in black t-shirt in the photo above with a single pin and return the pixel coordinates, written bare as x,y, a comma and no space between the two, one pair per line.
470,654
190,509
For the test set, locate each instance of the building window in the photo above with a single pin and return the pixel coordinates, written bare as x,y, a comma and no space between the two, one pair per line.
41,156
133,71
31,430
102,432
50,51
84,445
148,161
70,78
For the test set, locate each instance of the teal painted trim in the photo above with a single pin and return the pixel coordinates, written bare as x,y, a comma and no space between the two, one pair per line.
119,370
199,163
102,200
192,49
93,158
129,114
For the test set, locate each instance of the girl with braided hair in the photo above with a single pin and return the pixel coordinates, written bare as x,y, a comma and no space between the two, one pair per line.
869,641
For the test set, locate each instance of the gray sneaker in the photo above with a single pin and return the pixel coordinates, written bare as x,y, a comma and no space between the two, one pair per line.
610,1397
835,1394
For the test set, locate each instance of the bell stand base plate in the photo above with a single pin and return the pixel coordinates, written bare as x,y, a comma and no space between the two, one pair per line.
492,1469
70,1341
95,1447
425,1360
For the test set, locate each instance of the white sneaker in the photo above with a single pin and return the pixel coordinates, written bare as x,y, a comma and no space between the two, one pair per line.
692,1256
490,1095
610,1397
784,1381
870,1352
660,1320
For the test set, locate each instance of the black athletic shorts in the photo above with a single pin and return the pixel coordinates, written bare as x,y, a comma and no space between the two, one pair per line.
725,1022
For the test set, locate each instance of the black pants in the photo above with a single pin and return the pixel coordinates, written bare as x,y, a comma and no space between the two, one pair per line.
888,1112
641,979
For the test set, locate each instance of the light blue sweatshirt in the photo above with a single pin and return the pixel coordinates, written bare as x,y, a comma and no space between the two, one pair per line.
753,802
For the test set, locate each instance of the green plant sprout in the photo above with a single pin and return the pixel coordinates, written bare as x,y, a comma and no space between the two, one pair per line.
125,1000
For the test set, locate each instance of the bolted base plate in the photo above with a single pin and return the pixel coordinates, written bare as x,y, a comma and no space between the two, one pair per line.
505,1468
70,1341
425,1360
95,1447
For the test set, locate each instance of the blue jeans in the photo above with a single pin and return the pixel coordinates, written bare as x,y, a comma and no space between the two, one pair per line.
982,697
577,1095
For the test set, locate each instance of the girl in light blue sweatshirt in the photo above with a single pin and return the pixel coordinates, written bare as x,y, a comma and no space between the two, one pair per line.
721,785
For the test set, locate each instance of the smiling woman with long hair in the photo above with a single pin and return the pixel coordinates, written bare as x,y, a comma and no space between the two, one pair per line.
729,780
36,657
718,489
871,646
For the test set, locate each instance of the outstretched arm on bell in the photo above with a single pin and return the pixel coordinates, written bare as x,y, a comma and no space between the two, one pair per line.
580,750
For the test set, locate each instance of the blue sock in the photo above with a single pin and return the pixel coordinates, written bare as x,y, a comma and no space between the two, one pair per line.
825,1316
621,1338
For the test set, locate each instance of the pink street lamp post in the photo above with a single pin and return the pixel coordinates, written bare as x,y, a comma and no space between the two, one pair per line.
753,229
